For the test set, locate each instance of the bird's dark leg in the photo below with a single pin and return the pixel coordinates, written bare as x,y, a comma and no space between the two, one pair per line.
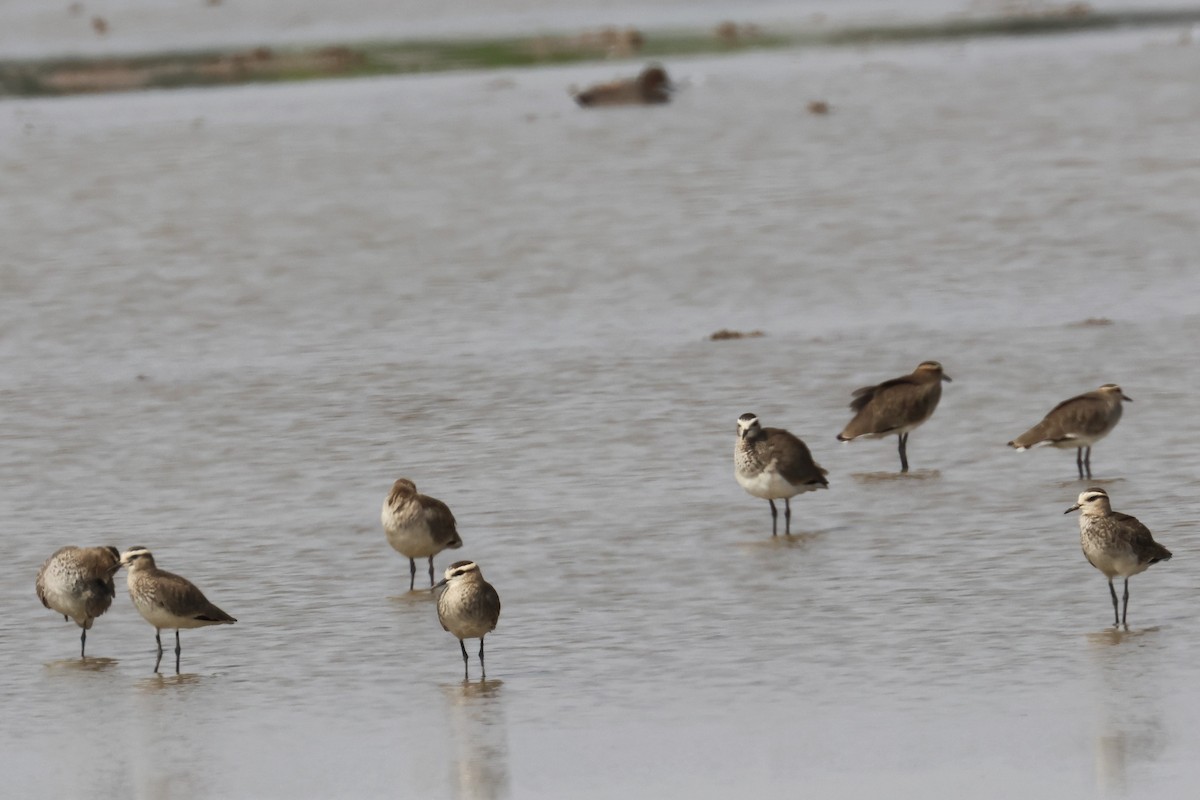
83,643
1125,607
482,668
787,516
466,661
1079,461
774,518
1087,462
178,650
431,572
158,639
1113,592
903,452
412,574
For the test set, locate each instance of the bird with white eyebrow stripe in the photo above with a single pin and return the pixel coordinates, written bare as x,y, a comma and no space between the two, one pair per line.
1114,543
773,464
468,607
167,600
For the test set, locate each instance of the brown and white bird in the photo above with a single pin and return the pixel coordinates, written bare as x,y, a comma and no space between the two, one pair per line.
77,582
468,607
167,600
417,526
773,464
1114,543
1077,423
896,407
651,87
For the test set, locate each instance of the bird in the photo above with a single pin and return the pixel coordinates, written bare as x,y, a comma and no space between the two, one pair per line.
468,607
167,600
1079,423
417,526
1115,543
77,582
897,406
650,87
773,464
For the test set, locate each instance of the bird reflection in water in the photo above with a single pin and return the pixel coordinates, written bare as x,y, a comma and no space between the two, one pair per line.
89,664
1128,726
159,682
480,733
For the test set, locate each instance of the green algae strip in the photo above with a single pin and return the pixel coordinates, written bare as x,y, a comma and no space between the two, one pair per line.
64,76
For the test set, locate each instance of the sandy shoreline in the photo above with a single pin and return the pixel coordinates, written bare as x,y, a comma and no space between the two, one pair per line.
91,74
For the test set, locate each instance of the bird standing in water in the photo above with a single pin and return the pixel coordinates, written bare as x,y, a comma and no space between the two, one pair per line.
468,607
77,582
1116,544
897,406
773,464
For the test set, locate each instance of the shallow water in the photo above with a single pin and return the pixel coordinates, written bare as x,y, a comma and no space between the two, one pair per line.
230,319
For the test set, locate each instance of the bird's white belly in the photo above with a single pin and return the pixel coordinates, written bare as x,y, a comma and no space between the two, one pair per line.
1123,564
769,485
872,436
412,541
408,535
1077,440
160,617
893,432
66,603
463,626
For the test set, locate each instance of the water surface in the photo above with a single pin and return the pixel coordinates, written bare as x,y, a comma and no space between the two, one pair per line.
229,319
